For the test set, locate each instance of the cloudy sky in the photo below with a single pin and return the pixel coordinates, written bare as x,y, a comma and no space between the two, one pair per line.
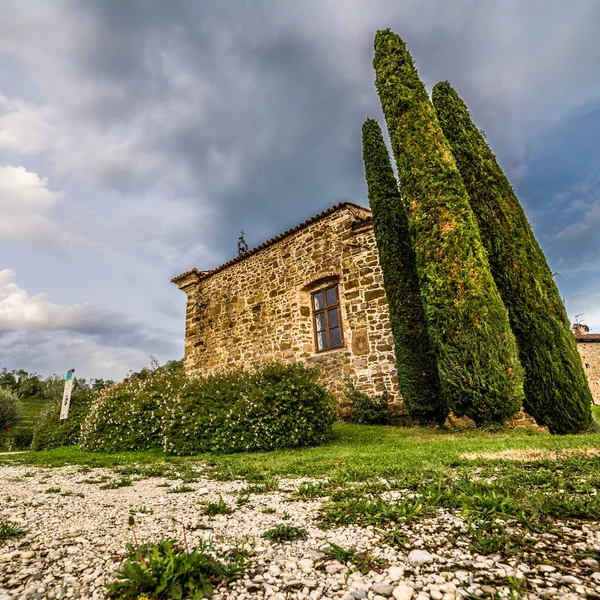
137,138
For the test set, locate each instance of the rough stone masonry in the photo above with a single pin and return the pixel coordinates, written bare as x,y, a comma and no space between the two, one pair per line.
259,306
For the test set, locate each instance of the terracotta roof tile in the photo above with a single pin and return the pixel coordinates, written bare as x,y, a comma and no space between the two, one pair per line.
270,242
588,337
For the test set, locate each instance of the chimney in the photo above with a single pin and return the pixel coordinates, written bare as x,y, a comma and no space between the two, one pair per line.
580,329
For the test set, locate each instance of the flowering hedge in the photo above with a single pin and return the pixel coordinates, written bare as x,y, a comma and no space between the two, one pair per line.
280,406
51,432
127,416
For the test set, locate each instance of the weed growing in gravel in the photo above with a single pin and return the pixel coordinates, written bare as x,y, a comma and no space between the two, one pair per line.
285,533
166,484
117,483
181,489
243,497
168,571
269,484
52,490
70,493
312,490
217,508
9,531
363,561
366,511
94,480
393,537
268,510
141,511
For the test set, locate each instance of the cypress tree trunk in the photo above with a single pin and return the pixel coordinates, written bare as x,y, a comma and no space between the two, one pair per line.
418,377
556,389
468,325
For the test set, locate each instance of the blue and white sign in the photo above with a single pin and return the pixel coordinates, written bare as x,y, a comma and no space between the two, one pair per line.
66,401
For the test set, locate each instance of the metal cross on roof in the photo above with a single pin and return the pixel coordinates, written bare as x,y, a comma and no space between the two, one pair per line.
242,246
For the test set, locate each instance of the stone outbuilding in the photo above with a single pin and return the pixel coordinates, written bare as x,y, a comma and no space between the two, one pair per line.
313,293
588,345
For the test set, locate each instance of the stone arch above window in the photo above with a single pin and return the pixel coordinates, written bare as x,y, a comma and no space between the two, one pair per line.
322,280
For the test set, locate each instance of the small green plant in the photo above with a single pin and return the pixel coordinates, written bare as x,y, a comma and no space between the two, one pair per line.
141,511
70,493
268,510
167,571
117,483
286,516
217,508
52,490
393,537
363,561
365,511
243,497
284,533
365,409
181,489
94,480
312,490
9,531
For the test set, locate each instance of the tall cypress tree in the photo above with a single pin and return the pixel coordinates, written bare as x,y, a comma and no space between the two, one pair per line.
468,325
418,377
556,389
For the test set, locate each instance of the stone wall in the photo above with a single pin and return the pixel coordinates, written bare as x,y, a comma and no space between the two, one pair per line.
590,356
259,308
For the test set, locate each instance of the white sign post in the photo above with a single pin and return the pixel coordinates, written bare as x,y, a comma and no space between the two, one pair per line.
66,401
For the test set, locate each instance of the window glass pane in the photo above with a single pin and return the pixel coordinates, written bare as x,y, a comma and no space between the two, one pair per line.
332,296
320,321
334,320
319,300
322,340
336,337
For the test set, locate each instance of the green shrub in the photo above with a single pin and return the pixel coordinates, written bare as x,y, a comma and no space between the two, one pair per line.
280,406
556,389
10,409
51,432
22,437
11,412
166,571
418,377
467,322
366,409
127,416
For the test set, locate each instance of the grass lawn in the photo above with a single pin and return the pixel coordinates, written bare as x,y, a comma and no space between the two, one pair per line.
357,452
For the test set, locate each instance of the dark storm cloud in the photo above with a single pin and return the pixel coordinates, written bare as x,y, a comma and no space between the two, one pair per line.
182,122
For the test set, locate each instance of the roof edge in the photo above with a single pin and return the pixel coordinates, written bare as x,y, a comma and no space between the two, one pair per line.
194,275
588,337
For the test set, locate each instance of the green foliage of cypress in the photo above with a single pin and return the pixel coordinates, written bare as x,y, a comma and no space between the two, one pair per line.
418,377
468,325
556,389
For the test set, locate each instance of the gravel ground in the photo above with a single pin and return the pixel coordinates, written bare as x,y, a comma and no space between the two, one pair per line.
75,542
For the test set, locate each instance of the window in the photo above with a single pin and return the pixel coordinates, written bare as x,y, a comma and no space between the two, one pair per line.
326,319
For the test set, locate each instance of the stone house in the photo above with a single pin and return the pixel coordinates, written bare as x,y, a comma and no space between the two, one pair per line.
588,345
313,293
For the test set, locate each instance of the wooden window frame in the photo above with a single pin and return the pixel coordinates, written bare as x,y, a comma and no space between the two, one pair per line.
325,311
